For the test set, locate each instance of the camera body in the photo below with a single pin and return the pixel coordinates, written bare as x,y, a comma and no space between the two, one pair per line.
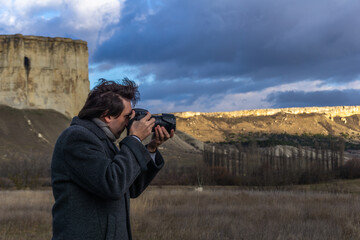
166,120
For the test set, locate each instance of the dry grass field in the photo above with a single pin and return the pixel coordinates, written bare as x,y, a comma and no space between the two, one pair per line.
214,213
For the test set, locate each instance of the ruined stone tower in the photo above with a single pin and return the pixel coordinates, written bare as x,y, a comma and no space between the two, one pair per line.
43,72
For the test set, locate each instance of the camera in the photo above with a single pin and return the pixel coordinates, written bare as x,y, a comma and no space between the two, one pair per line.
166,120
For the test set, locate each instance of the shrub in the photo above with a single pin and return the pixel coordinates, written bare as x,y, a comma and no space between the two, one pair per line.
351,169
24,170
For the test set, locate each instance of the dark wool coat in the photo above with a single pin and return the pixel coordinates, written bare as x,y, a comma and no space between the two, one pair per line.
93,180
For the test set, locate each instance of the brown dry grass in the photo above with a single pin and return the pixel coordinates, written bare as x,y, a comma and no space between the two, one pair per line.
215,213
239,214
25,215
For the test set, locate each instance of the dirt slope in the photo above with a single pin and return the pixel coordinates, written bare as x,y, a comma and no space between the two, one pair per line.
29,130
34,132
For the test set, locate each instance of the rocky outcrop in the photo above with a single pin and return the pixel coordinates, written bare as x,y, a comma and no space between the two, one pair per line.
43,73
216,127
331,112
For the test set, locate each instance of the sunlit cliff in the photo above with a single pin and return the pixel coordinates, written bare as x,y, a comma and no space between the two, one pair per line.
340,120
43,73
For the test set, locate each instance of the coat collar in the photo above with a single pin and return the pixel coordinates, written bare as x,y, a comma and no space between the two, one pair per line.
89,125
95,129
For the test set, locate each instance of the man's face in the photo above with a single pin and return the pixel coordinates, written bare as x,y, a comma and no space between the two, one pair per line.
117,125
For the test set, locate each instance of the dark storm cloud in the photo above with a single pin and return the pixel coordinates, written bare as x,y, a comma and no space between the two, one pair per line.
182,90
309,99
277,41
189,91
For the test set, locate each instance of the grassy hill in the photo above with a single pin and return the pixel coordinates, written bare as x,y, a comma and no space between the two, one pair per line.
27,138
220,127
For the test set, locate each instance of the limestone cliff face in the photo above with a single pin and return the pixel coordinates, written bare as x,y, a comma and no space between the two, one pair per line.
331,112
43,73
342,120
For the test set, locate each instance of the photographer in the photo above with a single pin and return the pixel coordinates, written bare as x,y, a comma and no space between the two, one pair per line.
92,179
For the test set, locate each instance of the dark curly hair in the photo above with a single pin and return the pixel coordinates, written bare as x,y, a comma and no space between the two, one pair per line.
106,98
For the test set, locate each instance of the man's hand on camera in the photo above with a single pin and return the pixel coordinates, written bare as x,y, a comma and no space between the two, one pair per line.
159,137
142,128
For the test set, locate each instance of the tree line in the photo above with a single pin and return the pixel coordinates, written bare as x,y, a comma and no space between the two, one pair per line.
278,164
251,163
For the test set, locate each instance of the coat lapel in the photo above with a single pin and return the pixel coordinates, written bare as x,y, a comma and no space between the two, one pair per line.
97,131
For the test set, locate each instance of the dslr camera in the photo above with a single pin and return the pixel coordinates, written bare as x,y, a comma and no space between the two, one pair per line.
166,120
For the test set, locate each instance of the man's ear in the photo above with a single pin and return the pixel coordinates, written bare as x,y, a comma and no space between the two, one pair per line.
107,119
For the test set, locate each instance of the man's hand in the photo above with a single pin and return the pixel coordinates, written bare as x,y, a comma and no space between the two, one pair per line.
159,137
142,128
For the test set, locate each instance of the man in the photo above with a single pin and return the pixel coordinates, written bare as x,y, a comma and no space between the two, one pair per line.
92,179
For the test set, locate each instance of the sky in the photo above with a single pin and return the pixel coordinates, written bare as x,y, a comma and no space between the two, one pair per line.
210,55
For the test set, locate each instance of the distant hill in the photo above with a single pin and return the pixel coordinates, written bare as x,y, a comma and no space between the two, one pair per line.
216,127
32,132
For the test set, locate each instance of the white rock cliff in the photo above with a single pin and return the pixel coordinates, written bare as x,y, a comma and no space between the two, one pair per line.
43,73
330,112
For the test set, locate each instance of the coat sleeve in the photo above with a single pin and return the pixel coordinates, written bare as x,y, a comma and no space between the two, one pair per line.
145,177
91,168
